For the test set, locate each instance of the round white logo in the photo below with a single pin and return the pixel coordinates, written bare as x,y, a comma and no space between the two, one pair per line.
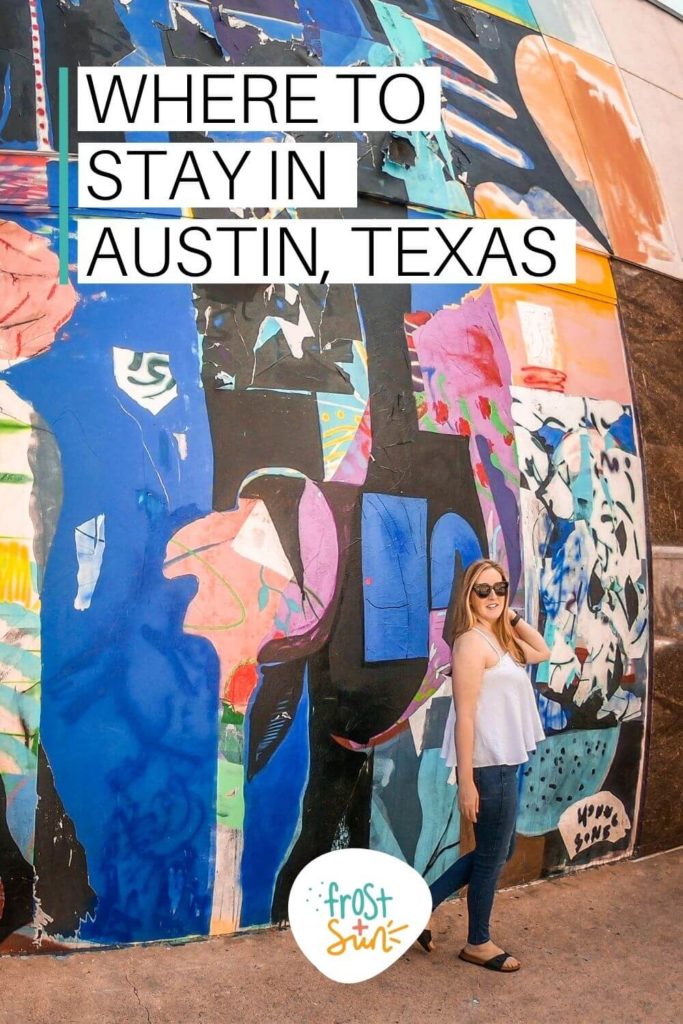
354,912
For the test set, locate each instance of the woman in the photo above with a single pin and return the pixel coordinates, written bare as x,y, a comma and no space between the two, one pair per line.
496,726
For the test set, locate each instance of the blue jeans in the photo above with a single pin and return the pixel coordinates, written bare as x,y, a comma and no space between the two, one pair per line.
494,833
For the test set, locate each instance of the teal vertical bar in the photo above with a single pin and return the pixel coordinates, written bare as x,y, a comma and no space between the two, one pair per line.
63,175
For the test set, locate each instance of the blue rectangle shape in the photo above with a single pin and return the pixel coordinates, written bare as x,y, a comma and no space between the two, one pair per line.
394,562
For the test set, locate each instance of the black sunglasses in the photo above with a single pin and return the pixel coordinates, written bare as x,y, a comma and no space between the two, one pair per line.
484,589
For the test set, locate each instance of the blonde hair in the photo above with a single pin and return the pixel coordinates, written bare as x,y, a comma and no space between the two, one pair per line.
460,618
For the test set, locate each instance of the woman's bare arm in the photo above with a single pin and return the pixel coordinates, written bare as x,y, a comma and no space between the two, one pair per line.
533,645
468,663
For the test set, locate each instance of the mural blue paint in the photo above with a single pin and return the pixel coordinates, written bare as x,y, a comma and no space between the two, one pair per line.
454,546
394,532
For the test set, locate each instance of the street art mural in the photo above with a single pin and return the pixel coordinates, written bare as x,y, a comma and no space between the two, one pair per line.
233,516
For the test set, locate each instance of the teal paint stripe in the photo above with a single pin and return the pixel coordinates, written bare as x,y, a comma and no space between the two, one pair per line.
63,175
23,705
18,617
25,759
25,661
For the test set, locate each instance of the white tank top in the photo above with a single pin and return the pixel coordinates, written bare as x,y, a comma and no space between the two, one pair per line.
507,725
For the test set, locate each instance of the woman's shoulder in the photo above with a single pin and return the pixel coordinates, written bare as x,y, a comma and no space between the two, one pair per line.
470,641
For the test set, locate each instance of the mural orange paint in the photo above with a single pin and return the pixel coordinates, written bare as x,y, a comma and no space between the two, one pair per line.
625,180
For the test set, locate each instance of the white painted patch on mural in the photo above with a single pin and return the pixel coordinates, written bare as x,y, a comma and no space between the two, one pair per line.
595,819
181,441
227,890
540,335
89,538
258,541
145,377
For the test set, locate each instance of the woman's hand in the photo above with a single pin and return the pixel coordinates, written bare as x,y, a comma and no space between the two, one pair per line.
533,645
468,800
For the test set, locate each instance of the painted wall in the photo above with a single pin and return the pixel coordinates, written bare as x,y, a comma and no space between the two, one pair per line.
646,45
232,518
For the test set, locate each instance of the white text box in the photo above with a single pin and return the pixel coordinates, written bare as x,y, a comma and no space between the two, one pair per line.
228,174
258,99
339,251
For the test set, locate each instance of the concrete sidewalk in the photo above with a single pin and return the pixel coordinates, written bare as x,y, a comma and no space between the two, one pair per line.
602,945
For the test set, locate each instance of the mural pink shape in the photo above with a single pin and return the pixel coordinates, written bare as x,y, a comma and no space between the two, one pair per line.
461,376
33,305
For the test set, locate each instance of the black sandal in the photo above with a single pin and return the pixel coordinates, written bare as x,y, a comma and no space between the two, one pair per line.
425,940
495,963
